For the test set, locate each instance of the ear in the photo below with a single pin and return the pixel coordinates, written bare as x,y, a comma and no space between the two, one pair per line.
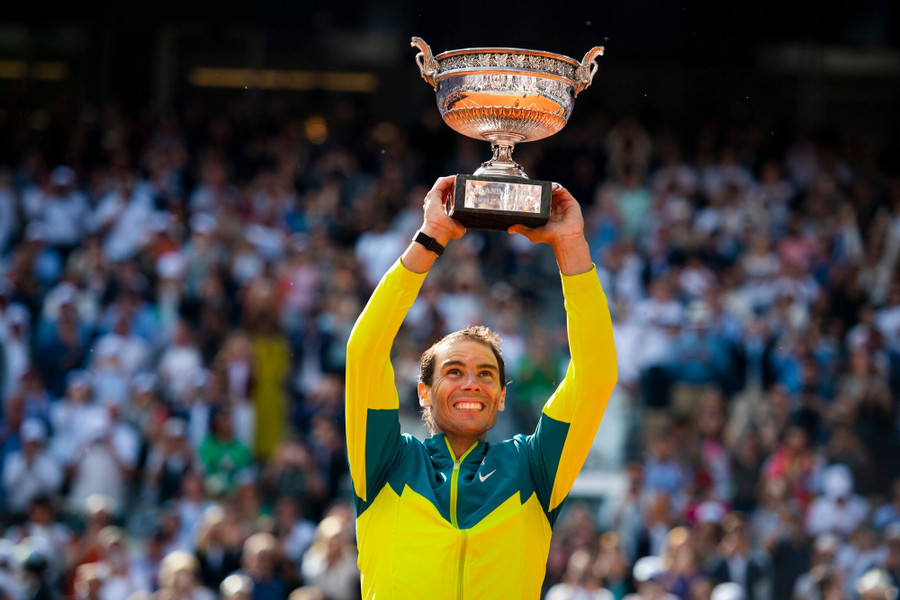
424,392
502,404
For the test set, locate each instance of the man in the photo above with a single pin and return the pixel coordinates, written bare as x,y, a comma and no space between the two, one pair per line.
736,562
453,516
30,472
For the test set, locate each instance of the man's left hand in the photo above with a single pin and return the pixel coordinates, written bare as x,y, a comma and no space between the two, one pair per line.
564,231
565,222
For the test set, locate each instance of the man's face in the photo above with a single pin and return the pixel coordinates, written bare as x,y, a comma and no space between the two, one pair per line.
466,392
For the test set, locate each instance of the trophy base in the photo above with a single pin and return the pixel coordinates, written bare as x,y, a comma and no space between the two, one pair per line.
495,203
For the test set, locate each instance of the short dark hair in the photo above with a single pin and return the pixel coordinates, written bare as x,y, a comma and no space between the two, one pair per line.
476,333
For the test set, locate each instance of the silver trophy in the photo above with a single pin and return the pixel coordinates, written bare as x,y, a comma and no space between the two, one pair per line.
505,96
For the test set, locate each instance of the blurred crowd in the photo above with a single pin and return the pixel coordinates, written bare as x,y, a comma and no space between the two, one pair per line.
176,292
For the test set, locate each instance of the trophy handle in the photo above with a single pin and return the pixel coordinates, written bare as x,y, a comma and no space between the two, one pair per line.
427,65
584,74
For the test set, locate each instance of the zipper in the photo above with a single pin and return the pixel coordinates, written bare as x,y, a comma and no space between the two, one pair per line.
462,566
454,488
454,479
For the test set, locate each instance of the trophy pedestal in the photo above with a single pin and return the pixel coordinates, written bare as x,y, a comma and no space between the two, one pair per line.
495,203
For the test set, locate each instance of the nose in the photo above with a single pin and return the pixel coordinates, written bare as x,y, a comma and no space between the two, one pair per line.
471,381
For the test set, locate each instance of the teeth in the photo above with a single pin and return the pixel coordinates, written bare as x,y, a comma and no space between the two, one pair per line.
468,406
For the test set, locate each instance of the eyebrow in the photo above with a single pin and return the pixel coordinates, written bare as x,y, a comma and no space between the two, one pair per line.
459,363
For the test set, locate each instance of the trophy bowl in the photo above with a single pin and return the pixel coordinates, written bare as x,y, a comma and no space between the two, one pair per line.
505,95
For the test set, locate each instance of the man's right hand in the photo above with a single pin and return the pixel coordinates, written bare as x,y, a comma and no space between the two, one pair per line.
436,222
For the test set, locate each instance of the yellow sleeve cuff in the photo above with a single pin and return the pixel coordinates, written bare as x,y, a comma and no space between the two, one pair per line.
581,283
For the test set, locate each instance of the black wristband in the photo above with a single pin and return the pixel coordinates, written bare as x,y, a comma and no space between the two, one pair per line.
429,242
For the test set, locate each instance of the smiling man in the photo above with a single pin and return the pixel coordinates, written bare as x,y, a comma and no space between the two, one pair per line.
454,516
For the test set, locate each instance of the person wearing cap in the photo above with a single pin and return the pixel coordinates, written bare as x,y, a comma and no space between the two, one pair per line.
61,209
236,587
838,510
876,584
649,575
107,457
727,591
455,516
30,472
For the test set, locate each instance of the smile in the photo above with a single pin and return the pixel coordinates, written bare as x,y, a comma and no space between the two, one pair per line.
466,405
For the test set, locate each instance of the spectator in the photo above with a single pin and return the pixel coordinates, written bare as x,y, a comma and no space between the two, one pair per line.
179,361
260,561
236,587
16,355
168,462
650,578
580,581
294,533
876,585
791,555
178,578
222,456
90,581
838,511
42,526
735,562
218,545
889,512
330,563
10,584
624,514
122,578
30,472
727,591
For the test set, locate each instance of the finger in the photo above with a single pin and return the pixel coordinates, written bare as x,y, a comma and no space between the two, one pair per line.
441,189
558,191
442,184
521,229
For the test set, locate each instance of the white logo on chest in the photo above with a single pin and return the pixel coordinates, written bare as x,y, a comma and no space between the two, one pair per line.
483,478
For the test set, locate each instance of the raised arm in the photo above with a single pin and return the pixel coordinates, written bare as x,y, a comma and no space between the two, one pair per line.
570,418
372,403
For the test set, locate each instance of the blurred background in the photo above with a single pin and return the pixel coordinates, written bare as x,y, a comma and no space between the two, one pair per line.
196,202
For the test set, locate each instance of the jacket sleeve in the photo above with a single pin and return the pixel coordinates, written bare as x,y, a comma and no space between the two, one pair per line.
570,418
373,428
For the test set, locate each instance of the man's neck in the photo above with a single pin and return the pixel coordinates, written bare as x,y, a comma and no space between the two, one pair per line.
460,446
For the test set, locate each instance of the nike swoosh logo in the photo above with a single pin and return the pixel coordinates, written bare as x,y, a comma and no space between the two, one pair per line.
483,478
